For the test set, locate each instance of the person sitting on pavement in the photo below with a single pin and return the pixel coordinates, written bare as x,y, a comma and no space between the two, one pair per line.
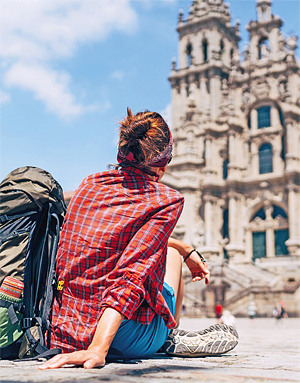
119,272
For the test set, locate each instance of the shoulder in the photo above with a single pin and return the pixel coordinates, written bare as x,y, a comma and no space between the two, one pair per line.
169,192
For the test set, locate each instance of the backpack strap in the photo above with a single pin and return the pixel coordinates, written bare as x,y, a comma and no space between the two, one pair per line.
51,276
11,309
4,218
39,267
48,354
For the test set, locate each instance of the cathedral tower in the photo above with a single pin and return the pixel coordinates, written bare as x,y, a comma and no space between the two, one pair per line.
237,138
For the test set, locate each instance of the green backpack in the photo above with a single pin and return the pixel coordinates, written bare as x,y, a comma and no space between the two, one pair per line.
32,210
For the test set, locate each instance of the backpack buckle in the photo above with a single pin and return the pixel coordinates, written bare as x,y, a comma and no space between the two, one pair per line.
60,285
26,323
3,218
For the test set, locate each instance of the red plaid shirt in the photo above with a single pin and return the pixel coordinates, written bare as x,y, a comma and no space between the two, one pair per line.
112,253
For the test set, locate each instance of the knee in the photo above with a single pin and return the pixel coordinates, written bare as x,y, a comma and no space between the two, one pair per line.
173,253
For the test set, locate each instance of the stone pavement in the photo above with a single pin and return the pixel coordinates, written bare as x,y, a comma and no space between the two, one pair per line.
267,352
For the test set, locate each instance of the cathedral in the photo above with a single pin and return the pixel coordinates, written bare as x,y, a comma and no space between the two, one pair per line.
236,160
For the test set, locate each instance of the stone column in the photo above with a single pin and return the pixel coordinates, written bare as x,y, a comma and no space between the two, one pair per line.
175,94
232,148
293,212
253,117
200,147
274,43
292,155
235,249
235,160
193,87
293,243
215,92
232,213
208,221
253,48
208,149
204,95
182,52
275,121
240,230
183,94
249,245
270,245
255,160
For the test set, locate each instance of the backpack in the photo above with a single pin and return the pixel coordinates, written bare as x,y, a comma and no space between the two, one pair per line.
32,210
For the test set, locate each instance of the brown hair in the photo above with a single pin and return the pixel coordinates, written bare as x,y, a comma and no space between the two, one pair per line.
144,134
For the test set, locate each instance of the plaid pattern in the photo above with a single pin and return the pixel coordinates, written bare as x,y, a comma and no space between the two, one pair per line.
112,253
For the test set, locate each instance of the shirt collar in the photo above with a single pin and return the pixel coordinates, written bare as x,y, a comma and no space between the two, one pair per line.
131,169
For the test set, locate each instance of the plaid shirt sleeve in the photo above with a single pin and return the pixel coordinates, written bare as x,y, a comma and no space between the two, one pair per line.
129,282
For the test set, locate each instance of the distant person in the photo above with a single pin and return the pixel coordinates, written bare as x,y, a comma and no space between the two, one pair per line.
252,309
218,311
282,310
276,312
227,318
279,311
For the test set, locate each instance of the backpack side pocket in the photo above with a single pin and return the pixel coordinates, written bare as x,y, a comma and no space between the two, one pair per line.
10,320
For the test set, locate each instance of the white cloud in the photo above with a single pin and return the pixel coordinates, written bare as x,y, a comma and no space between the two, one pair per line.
4,97
118,75
167,114
48,86
35,34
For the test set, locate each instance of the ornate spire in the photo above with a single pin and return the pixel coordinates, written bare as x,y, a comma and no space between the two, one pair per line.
201,8
264,10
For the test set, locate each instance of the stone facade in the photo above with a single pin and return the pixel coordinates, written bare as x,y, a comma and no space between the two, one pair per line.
236,156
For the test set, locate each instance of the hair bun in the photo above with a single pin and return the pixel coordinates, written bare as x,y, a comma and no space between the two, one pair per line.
137,131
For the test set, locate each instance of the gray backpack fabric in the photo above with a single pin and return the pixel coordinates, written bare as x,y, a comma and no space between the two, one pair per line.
32,210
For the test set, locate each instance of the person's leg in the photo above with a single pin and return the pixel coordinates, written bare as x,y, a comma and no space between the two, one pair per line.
173,278
216,340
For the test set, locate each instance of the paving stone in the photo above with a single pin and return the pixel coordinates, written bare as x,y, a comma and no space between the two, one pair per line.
267,352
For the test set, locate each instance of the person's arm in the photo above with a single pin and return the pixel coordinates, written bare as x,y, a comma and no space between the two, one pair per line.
129,283
198,269
96,353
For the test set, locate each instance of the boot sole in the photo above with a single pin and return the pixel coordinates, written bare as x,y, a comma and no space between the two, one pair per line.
213,341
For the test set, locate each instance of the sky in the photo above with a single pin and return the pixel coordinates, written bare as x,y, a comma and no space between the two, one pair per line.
70,68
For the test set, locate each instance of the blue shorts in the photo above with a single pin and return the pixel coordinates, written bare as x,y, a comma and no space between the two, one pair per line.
136,340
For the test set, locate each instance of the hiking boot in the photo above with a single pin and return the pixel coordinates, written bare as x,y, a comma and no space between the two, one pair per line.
215,340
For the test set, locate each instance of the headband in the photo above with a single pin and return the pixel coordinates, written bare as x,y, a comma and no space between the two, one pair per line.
160,160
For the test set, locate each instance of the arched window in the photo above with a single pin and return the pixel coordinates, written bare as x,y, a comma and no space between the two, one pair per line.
265,156
205,50
263,47
221,47
225,169
264,117
280,237
260,214
274,243
259,244
278,211
281,117
249,121
225,230
189,50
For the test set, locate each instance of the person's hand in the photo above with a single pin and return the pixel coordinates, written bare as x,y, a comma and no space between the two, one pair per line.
198,269
87,358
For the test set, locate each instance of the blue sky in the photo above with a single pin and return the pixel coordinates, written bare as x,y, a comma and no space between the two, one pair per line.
69,69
